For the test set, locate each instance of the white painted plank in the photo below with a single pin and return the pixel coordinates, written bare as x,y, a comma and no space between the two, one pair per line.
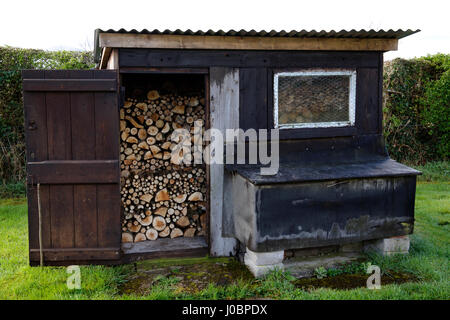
224,108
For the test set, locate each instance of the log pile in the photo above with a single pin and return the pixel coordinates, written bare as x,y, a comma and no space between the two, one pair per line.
162,196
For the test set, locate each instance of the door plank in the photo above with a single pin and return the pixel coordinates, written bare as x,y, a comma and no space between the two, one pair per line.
108,226
36,140
61,211
83,148
59,137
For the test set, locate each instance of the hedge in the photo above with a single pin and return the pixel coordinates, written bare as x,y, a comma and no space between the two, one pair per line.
12,61
416,105
416,108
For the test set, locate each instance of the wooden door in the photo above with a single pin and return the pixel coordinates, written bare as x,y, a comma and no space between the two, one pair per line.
72,142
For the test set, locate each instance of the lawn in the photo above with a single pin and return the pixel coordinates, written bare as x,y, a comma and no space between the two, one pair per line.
428,261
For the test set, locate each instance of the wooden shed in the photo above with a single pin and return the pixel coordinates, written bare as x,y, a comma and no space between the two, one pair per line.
102,187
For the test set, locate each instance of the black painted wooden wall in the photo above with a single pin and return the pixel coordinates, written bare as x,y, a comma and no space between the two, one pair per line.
256,70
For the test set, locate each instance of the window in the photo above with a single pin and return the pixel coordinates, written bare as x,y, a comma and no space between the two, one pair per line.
314,99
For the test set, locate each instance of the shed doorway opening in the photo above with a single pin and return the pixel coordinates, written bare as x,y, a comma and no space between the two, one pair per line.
164,192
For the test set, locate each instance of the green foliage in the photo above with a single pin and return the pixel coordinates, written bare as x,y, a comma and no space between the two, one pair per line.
417,108
275,284
12,61
438,171
12,190
320,272
349,268
16,59
437,113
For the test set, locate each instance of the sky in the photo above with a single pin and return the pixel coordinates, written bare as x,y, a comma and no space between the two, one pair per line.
54,25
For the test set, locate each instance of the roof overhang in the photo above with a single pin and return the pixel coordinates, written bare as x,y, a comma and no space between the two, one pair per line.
248,40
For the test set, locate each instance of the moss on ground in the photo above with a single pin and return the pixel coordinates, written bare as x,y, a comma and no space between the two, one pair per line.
352,281
186,275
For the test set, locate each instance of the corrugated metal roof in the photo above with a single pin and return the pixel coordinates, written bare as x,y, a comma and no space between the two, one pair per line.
361,34
356,34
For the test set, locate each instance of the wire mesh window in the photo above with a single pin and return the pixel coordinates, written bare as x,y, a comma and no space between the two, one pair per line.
314,99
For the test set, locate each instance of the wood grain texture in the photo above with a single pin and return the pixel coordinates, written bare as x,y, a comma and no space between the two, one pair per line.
83,144
82,254
106,126
120,40
59,139
164,70
85,216
69,85
164,244
156,58
107,147
224,113
59,132
35,112
33,216
83,125
108,215
207,169
106,53
74,171
181,253
61,216
113,59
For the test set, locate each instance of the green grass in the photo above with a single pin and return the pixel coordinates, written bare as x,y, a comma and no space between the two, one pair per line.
20,281
428,261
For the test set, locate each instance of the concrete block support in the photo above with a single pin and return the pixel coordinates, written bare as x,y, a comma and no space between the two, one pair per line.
389,246
260,263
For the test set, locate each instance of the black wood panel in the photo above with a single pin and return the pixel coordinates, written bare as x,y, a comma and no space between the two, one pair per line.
368,108
321,151
253,98
69,85
330,213
380,93
74,171
296,172
107,147
130,57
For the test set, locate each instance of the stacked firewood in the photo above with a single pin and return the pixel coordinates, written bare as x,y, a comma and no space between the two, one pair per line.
163,193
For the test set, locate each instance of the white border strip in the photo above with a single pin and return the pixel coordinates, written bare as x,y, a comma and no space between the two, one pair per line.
318,72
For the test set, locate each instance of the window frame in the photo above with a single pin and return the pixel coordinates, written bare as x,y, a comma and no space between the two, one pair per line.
317,72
